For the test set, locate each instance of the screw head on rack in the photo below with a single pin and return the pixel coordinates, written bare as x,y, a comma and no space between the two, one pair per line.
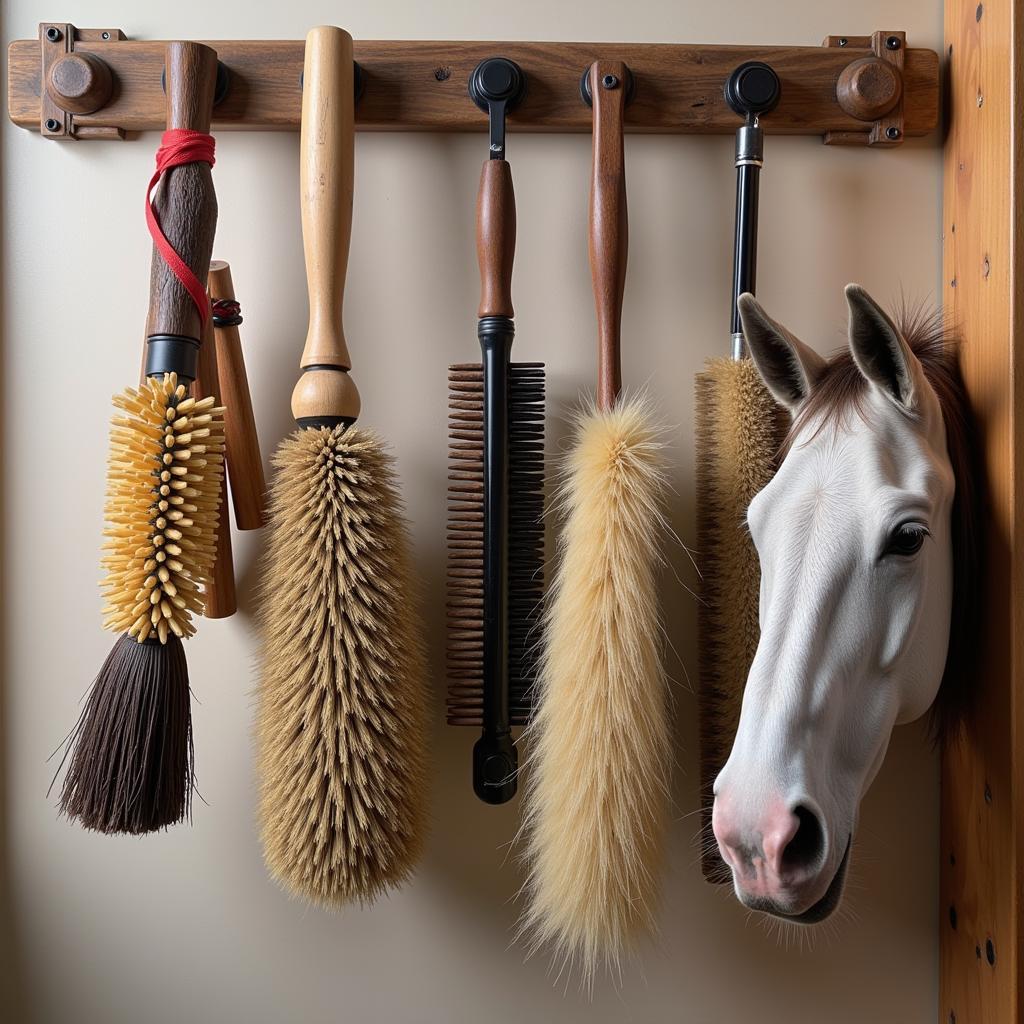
892,43
51,124
608,82
54,34
892,133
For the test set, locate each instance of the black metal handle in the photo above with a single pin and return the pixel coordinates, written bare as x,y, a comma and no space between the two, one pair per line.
497,86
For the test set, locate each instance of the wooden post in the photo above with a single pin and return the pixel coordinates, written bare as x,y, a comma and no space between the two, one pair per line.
983,267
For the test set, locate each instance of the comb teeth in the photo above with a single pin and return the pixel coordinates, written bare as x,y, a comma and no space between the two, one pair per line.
466,538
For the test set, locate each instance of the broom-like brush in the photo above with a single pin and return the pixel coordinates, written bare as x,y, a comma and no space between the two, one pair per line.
601,749
341,717
130,766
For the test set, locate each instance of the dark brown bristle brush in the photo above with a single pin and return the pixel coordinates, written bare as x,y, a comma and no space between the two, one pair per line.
496,482
130,755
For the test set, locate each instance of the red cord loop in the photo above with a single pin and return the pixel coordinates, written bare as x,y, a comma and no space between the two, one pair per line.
179,146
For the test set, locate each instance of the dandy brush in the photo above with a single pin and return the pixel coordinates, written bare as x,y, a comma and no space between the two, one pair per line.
738,434
597,801
341,715
496,483
130,755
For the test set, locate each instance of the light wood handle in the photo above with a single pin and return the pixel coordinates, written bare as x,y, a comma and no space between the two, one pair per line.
219,596
241,443
609,226
496,238
327,165
185,202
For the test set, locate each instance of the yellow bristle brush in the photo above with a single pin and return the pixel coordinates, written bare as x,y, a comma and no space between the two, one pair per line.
598,772
130,766
341,716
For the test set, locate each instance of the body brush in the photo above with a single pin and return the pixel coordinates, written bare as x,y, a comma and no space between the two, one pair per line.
341,714
597,800
130,767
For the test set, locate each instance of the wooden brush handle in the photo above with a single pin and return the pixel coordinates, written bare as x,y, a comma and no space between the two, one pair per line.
327,165
496,238
609,228
185,202
241,443
219,597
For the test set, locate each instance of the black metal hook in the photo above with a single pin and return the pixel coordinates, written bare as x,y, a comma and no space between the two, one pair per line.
753,89
497,86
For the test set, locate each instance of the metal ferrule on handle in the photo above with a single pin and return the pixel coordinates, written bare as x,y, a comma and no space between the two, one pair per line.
749,160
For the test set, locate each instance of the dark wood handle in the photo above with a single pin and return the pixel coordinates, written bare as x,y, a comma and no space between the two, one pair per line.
241,443
185,203
496,238
219,598
609,225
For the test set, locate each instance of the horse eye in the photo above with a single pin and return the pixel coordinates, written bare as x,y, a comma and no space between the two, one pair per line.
906,539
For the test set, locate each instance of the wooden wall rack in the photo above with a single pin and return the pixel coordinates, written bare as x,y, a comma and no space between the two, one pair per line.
73,83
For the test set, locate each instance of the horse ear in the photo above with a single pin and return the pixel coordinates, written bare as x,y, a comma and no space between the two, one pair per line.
789,369
880,352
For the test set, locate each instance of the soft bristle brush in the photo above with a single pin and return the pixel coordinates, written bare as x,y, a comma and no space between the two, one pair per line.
737,437
597,800
342,702
130,767
496,481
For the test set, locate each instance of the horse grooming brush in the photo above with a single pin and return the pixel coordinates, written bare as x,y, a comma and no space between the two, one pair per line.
737,438
130,754
597,803
496,480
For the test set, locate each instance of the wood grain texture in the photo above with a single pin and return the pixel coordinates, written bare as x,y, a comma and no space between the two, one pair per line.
219,597
421,85
496,238
609,223
185,201
326,178
248,485
983,267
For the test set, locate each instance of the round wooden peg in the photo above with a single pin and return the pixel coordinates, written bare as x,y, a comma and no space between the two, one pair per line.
80,83
869,88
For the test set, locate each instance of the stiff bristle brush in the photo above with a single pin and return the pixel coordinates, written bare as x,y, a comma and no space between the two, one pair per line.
342,701
496,483
130,767
738,433
598,775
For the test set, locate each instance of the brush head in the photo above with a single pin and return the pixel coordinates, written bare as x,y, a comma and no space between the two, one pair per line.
131,751
164,479
341,716
739,431
465,659
598,775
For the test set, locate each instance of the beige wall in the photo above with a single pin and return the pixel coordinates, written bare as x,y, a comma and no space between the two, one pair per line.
186,926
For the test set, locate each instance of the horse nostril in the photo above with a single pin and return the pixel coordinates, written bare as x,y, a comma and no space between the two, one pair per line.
804,850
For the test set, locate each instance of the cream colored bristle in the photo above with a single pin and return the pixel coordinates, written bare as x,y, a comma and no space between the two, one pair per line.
598,771
158,430
341,719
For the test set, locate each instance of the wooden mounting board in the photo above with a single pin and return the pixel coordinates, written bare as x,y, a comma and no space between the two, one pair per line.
981,902
422,86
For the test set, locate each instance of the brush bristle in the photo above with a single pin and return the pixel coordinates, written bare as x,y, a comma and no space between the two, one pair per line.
163,492
466,538
598,803
739,431
341,719
131,751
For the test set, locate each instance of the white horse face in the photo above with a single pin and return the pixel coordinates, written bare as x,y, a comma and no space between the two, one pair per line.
854,540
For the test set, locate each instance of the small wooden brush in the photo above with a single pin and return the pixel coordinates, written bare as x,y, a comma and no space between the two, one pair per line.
496,482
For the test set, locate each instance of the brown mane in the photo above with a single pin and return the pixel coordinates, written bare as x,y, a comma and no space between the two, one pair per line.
841,392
